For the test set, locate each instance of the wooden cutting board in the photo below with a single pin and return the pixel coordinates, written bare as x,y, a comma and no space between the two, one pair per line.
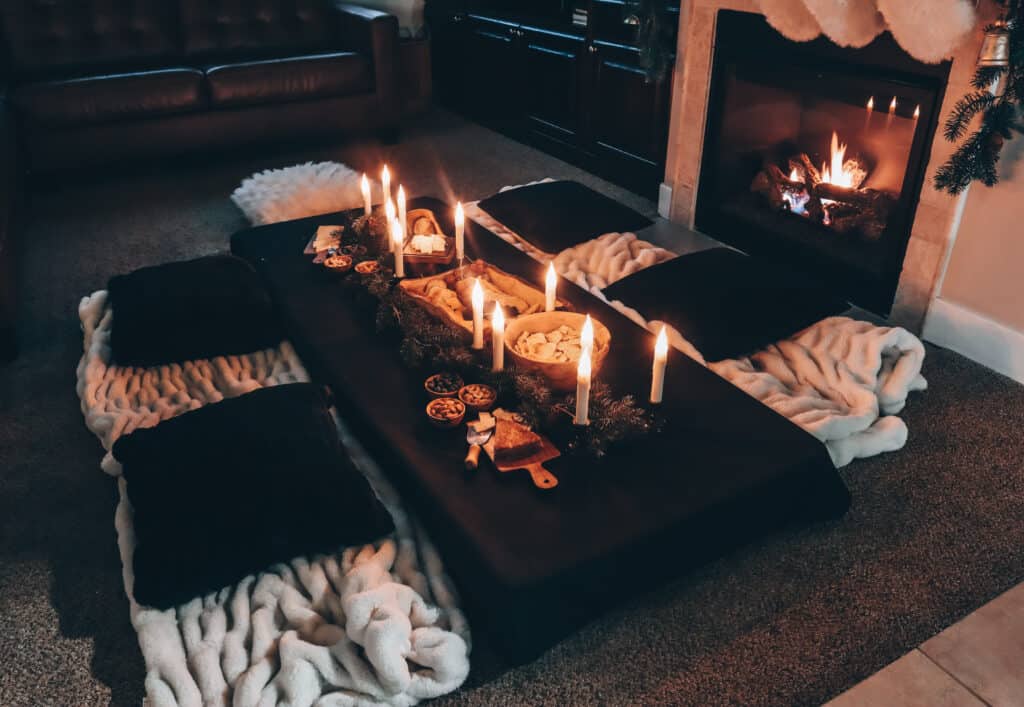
533,463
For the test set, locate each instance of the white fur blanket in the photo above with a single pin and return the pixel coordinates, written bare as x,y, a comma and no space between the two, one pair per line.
367,626
842,380
301,190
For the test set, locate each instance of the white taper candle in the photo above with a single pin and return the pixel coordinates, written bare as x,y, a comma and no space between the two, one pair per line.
398,246
389,213
658,371
460,231
583,389
385,181
478,314
401,210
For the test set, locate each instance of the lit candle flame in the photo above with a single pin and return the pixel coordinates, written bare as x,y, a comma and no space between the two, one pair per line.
478,295
794,176
587,336
836,173
871,103
396,235
364,187
550,283
385,179
401,198
498,318
892,105
917,112
460,231
661,345
583,369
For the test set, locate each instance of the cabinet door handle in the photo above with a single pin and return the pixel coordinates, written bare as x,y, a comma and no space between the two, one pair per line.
592,49
631,20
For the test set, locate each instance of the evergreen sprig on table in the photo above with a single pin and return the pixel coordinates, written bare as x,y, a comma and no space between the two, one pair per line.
977,157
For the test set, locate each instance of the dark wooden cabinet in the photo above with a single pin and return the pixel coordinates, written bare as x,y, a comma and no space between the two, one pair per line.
574,90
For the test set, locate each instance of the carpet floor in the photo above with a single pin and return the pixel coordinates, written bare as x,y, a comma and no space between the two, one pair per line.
794,619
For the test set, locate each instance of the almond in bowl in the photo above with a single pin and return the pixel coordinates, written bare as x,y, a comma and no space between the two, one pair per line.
478,397
446,412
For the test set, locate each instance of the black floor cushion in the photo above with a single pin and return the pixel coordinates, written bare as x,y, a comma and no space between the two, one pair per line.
554,216
231,488
725,303
181,311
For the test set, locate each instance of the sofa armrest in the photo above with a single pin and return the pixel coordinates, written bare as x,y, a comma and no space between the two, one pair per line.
374,34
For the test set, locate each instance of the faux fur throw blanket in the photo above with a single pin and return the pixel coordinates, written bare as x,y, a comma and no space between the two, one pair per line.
929,30
372,625
842,380
301,190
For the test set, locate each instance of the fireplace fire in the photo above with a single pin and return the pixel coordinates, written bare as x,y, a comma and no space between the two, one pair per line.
815,154
833,196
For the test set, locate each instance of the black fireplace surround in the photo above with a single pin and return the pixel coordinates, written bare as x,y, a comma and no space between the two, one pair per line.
815,154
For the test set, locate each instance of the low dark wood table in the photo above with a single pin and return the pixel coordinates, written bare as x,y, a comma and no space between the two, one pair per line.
533,565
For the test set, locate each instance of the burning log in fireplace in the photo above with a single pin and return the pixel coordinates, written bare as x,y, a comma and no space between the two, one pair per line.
832,196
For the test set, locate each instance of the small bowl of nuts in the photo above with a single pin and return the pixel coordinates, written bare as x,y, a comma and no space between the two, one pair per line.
446,412
478,397
338,263
367,267
443,385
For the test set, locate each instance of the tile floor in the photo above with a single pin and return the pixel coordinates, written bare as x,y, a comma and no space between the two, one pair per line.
975,662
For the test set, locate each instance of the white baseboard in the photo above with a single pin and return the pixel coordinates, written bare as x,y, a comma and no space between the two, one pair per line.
977,337
664,200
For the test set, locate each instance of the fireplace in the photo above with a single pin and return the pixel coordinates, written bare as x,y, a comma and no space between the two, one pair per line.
816,154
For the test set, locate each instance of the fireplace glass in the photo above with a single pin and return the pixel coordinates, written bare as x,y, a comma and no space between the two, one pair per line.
816,154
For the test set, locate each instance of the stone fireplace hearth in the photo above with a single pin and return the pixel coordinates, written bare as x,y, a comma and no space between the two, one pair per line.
932,217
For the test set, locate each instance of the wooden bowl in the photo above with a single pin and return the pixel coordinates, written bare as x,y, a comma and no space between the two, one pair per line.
478,397
561,375
447,391
442,421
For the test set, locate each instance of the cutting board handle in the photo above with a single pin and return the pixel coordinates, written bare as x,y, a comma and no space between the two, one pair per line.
542,478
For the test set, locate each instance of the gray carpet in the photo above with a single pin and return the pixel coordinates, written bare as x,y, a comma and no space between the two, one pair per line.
933,533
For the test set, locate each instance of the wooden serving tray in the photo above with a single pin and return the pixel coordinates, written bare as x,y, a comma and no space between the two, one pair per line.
424,291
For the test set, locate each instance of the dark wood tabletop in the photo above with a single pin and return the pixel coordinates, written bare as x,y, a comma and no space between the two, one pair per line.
723,470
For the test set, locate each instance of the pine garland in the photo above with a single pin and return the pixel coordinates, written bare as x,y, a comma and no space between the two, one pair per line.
427,344
977,157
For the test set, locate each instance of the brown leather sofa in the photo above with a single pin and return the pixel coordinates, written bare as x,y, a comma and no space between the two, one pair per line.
90,82
94,81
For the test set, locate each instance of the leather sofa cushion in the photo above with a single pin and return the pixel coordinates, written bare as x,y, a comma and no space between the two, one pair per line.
226,29
47,37
99,99
295,78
